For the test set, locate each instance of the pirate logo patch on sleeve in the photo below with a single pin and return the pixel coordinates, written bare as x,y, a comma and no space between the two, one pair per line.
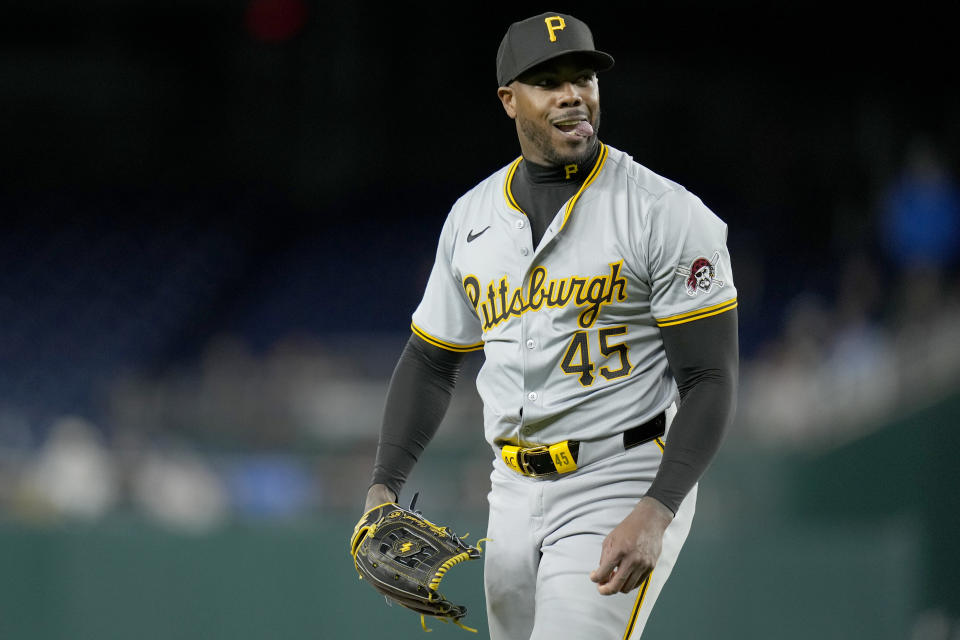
701,275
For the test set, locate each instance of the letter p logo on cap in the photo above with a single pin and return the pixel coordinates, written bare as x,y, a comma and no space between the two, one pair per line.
554,24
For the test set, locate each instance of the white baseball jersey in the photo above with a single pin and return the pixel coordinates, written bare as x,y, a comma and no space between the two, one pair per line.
570,328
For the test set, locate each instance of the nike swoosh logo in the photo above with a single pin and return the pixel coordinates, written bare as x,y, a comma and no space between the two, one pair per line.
471,236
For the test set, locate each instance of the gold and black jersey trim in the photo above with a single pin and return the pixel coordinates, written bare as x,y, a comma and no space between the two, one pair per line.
690,316
597,167
507,192
449,346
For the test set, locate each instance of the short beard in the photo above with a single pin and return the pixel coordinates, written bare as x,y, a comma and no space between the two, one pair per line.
541,141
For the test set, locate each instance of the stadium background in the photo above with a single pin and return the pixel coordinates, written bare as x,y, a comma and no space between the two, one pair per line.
217,217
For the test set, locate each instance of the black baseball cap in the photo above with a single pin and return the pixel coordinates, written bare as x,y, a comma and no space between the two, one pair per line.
549,35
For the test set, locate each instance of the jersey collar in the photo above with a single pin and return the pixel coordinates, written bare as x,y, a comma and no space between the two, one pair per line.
594,172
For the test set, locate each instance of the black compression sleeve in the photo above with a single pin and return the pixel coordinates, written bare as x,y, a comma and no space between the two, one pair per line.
704,359
417,399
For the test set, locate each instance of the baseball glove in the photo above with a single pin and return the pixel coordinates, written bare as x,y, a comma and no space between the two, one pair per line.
404,557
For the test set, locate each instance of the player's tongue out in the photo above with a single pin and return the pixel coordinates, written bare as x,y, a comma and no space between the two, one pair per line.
583,129
580,128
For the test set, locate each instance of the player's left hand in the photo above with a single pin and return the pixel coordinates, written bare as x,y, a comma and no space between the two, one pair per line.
631,550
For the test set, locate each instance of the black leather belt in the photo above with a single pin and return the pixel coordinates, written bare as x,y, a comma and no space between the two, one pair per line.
651,429
546,461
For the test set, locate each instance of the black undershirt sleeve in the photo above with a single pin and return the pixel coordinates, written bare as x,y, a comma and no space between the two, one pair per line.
417,399
704,359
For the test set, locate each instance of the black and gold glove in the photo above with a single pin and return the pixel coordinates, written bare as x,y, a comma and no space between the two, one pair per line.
404,557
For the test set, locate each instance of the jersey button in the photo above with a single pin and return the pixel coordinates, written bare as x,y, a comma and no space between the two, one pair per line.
524,251
531,344
520,224
532,396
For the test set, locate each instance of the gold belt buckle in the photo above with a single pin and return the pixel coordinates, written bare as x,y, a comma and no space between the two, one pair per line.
526,466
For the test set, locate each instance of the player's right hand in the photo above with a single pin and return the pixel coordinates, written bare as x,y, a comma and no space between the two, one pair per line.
631,550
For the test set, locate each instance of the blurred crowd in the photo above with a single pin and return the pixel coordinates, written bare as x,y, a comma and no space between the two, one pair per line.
885,339
289,431
280,436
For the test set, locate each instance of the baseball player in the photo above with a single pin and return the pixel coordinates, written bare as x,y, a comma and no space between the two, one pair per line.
602,297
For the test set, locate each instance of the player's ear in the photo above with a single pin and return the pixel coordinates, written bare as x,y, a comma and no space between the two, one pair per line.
507,98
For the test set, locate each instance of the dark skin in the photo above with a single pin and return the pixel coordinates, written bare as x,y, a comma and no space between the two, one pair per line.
377,495
544,102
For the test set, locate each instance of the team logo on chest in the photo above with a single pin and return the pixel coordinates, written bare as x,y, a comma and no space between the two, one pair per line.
701,275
